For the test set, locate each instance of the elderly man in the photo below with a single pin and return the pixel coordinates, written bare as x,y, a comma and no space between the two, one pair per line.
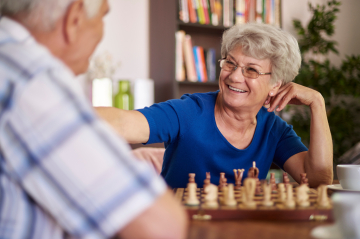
64,173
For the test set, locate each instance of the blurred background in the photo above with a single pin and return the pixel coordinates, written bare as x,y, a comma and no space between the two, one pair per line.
139,48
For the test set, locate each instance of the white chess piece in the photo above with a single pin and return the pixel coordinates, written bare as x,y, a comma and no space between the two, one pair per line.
281,192
290,202
323,200
267,195
302,197
229,196
192,199
211,196
249,192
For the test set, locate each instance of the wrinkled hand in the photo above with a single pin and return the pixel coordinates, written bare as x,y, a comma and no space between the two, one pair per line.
154,156
292,93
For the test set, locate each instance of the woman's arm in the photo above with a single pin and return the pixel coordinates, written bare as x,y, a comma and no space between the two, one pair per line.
130,124
317,162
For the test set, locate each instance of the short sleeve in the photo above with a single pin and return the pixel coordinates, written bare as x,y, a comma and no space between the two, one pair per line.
288,145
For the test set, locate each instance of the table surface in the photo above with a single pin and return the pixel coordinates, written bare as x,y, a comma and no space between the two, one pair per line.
244,229
251,229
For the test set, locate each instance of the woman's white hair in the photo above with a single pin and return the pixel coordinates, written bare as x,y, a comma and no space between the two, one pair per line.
264,41
43,14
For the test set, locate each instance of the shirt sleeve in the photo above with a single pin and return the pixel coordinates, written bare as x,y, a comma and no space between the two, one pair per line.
70,162
288,145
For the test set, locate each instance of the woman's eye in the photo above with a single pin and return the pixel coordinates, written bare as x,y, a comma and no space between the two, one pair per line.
231,63
252,70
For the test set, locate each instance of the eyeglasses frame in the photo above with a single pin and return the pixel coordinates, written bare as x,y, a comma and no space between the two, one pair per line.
242,69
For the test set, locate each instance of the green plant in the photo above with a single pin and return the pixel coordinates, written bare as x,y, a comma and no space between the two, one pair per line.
340,86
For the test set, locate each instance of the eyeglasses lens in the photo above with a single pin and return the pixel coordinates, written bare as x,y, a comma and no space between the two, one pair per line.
249,72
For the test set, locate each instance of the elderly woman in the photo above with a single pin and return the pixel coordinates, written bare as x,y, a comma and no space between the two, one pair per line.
229,129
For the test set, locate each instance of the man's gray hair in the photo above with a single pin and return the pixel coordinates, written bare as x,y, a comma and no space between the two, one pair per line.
264,41
45,13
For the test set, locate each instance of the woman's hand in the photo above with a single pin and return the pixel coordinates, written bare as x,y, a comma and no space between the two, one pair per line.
295,94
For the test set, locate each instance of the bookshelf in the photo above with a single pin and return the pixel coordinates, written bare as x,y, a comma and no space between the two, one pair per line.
163,24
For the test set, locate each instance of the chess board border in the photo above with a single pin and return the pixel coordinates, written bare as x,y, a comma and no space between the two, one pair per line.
273,213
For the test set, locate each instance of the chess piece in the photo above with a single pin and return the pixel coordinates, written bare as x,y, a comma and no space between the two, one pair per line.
290,202
222,176
253,172
273,182
267,195
281,192
206,183
208,175
248,193
223,184
323,200
192,199
304,180
191,177
286,179
238,177
258,191
302,197
229,196
211,196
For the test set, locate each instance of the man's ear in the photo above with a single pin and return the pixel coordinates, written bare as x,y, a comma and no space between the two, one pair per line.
275,88
73,20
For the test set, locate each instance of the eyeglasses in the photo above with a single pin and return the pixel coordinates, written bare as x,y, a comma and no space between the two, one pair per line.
247,71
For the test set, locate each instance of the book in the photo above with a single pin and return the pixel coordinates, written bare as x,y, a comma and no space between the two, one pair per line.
183,11
226,13
206,11
202,63
200,11
218,12
189,59
211,64
179,56
197,63
192,12
259,11
240,12
277,13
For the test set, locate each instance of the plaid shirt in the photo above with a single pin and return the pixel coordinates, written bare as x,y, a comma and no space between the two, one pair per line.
64,173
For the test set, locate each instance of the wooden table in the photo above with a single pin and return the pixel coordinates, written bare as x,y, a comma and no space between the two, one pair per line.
245,229
251,229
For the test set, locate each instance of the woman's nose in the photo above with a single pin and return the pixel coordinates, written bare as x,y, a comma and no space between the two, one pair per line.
237,75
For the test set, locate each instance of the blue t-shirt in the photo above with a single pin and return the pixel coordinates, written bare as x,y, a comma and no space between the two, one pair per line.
194,143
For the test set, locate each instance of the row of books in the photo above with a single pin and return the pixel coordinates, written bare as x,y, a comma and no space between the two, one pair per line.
230,12
193,63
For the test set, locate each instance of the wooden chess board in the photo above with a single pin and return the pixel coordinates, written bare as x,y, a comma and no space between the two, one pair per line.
239,212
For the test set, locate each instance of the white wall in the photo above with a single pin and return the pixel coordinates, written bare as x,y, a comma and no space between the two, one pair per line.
126,38
347,25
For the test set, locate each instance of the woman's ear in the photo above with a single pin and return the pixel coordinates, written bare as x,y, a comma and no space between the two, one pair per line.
275,88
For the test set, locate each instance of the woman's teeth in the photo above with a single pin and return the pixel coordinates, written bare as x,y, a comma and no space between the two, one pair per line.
238,90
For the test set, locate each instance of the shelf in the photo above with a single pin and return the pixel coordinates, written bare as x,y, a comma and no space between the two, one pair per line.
213,83
201,28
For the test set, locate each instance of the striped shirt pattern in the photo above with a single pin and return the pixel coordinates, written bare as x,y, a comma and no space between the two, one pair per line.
64,173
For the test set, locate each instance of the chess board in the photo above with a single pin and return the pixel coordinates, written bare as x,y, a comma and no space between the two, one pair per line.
276,212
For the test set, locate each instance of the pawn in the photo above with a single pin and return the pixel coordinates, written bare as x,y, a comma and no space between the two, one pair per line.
238,177
302,197
191,177
286,179
323,200
289,202
304,180
229,195
282,193
192,199
222,176
267,195
273,182
223,184
253,172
